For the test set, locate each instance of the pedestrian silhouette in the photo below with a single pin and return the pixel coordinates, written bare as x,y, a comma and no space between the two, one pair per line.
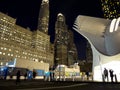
111,74
34,74
18,77
25,76
105,74
87,74
5,73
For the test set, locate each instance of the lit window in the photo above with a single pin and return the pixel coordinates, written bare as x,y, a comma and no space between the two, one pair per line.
1,63
9,49
0,52
1,47
11,54
25,53
3,53
16,51
8,54
5,48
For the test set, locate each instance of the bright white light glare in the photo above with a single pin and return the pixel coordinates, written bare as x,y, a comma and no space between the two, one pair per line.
117,24
112,25
60,14
45,0
114,65
1,63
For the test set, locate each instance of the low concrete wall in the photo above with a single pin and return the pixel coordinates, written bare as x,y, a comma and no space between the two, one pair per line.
32,64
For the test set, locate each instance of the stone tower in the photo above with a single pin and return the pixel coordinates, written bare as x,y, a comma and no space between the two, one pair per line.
65,50
61,40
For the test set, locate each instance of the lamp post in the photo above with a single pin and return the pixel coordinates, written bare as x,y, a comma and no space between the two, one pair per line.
59,73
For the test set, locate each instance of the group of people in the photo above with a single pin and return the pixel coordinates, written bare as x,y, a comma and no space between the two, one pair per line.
26,75
111,73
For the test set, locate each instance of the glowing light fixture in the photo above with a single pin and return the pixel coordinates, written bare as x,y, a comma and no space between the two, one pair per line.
45,0
112,25
117,24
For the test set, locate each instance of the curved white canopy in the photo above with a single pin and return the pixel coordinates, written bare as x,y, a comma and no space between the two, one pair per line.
102,33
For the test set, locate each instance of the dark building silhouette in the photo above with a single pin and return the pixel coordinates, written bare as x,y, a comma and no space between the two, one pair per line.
72,50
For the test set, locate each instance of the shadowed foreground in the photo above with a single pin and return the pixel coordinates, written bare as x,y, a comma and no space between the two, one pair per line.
56,85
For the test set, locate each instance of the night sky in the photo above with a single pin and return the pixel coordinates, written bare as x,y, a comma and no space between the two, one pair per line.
26,12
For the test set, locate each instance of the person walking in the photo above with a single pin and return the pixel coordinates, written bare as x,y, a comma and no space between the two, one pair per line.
105,76
18,74
25,76
111,74
5,73
34,74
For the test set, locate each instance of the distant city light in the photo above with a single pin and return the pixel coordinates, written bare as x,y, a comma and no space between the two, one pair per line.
45,0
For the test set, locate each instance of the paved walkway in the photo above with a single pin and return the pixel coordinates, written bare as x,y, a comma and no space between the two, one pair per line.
57,85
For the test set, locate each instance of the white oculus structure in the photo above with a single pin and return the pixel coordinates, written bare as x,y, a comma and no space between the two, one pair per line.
104,38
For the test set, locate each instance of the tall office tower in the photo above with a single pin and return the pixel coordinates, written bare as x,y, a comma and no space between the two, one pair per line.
72,51
43,19
111,8
61,40
65,50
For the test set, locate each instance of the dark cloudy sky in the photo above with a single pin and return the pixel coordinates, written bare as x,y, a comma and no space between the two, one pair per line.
27,11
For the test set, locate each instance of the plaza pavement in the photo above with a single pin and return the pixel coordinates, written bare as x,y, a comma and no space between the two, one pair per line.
57,85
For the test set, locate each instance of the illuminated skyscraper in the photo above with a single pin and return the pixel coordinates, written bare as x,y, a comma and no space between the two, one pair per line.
111,8
43,19
61,40
65,50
